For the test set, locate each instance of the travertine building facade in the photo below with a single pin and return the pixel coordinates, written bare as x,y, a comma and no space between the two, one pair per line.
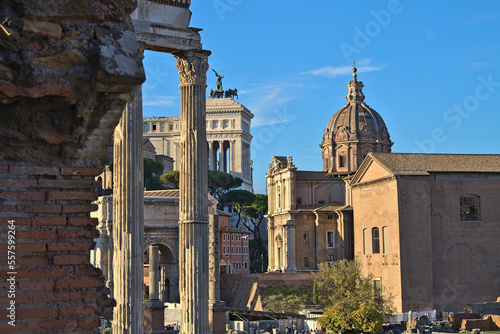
228,135
424,226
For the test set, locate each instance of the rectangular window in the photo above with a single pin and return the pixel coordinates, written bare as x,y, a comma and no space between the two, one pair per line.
232,249
377,287
331,258
330,216
306,262
342,161
171,127
154,127
246,266
330,239
375,240
224,236
470,208
232,237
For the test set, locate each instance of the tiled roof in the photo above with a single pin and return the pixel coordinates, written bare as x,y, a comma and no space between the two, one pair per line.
423,164
162,193
333,206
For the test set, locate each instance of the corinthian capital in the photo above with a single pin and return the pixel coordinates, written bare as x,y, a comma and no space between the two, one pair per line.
193,66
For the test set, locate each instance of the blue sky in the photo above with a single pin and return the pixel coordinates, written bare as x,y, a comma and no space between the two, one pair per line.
431,69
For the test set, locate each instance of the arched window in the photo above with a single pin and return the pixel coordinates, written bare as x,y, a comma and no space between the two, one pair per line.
366,238
375,240
470,208
386,240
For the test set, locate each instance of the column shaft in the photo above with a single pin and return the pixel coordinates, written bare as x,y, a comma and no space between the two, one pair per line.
153,273
214,274
193,198
128,224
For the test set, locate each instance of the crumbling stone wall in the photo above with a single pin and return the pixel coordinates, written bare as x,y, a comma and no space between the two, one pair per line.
67,68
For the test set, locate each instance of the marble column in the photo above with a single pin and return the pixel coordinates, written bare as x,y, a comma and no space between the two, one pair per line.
231,157
154,309
222,165
211,155
193,197
128,221
217,309
154,279
163,286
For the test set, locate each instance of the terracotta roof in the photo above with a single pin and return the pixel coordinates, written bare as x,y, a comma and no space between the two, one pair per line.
162,193
423,164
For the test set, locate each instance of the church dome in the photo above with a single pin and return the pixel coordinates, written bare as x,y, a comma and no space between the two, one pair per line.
352,132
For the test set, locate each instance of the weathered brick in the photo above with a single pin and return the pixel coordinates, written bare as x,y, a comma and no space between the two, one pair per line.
30,248
71,195
36,286
17,183
33,260
70,311
37,313
81,171
36,234
48,221
4,169
19,299
71,259
66,184
81,283
89,323
88,271
57,297
90,296
18,328
75,234
18,221
39,273
83,221
8,208
47,208
52,324
70,246
33,170
80,208
21,195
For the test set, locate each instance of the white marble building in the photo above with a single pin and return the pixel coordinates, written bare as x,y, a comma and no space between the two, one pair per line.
228,135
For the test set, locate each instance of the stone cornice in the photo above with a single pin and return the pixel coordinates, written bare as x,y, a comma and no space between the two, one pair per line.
369,183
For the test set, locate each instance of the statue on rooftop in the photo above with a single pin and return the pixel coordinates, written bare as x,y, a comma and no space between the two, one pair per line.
219,81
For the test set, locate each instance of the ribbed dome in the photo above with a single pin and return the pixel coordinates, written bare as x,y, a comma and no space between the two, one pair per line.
356,120
352,132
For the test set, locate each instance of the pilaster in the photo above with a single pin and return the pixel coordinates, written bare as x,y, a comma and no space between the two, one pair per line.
193,198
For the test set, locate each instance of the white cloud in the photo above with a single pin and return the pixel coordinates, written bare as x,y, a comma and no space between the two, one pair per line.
268,102
336,71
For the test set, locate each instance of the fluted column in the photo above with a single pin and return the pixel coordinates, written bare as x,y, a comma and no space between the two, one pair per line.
193,198
128,223
231,157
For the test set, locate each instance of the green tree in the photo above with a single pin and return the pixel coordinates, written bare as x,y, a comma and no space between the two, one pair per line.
349,297
152,172
239,199
170,180
220,183
254,214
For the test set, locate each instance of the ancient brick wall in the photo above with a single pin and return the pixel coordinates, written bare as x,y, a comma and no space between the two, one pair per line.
67,68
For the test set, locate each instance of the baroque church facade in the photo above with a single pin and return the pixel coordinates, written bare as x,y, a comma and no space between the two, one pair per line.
423,226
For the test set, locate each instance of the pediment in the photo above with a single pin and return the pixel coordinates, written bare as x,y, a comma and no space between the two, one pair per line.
370,170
